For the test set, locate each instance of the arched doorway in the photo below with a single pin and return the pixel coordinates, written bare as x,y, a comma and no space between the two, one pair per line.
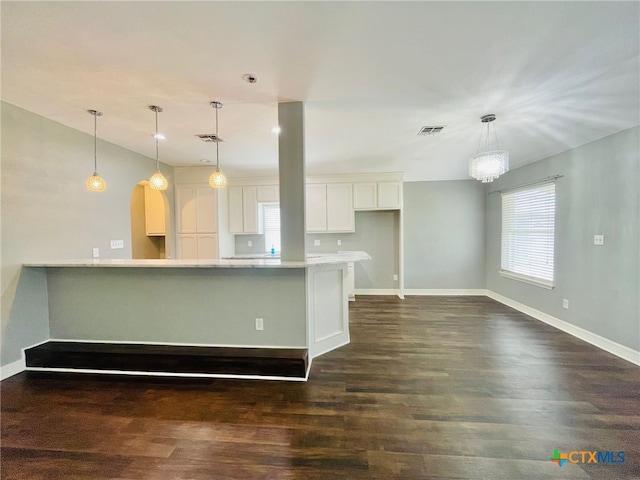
149,222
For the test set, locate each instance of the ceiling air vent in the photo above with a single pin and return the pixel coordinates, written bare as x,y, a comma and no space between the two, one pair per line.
430,130
209,137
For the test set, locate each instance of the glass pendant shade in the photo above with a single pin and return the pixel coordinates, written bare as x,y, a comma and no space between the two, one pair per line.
217,179
488,164
95,183
158,181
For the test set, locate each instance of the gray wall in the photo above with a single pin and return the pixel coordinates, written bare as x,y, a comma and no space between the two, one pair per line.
376,233
179,305
597,195
444,235
47,213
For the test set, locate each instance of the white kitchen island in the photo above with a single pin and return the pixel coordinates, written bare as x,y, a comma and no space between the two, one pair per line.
302,304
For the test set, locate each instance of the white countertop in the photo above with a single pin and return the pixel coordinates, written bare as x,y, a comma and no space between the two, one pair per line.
312,260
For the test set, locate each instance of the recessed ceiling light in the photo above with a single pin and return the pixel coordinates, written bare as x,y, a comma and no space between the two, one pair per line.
159,136
250,78
276,129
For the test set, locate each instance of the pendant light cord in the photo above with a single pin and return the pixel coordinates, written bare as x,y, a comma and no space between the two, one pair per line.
95,144
156,137
217,139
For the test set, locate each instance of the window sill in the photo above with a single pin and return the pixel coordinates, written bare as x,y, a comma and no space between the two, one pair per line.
525,279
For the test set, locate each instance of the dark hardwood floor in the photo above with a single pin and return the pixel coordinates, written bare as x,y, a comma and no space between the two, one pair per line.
429,388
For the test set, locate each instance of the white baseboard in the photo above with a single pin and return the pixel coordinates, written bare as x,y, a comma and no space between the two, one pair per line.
12,369
446,291
377,291
626,353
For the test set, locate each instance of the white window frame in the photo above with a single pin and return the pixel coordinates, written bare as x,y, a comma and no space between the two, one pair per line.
528,234
270,229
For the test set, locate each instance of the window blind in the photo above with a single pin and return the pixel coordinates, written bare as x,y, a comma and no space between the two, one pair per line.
271,217
528,227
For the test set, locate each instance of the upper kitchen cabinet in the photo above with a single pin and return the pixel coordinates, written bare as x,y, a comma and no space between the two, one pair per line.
377,195
243,210
268,193
330,208
154,217
196,209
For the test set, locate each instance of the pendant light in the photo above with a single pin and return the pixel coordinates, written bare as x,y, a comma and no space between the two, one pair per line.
217,178
95,183
157,180
488,164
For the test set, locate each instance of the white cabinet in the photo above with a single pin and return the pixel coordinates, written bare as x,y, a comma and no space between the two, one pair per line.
365,196
154,212
196,209
243,210
268,193
330,208
389,194
316,208
198,246
377,196
340,214
196,221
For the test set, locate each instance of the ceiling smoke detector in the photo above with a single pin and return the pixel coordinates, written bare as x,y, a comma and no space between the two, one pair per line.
209,137
430,130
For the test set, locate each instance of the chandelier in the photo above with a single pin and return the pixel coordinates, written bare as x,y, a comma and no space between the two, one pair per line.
488,164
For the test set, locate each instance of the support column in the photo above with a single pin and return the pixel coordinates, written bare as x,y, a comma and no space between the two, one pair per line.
292,181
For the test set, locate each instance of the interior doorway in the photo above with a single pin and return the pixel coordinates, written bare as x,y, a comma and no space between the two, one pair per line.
149,209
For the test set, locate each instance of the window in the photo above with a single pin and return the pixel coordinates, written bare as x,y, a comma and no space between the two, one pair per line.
528,218
271,216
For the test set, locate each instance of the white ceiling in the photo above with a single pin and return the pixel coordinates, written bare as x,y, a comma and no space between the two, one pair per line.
556,74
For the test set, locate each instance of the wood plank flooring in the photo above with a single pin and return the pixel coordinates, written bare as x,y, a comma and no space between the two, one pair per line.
429,388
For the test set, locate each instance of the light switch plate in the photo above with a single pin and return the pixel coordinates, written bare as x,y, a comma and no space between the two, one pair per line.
249,243
316,243
96,252
117,244
598,239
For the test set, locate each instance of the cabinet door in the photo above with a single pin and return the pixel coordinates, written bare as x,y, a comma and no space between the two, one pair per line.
340,214
236,224
186,209
390,195
207,246
187,247
153,212
249,210
268,193
365,196
316,208
207,209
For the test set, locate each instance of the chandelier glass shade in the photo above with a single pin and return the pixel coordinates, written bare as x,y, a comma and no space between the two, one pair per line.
157,180
488,164
217,178
95,183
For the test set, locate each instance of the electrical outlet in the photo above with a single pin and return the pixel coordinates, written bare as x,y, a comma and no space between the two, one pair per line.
117,244
395,277
598,239
259,324
249,243
316,243
96,252
339,242
565,303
